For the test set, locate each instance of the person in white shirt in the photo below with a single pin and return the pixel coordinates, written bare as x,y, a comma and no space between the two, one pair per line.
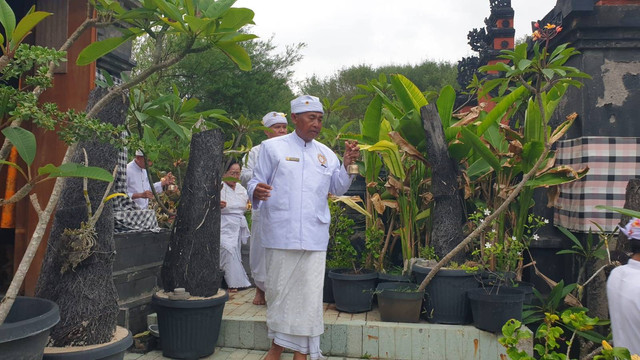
291,182
623,294
138,187
234,229
277,124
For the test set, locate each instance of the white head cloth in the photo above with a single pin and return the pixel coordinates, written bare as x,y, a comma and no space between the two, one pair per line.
273,118
139,153
306,103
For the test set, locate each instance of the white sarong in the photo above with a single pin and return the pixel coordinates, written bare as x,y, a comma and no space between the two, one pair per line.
294,283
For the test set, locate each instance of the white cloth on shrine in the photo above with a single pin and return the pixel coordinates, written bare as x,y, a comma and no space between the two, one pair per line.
623,294
234,231
295,279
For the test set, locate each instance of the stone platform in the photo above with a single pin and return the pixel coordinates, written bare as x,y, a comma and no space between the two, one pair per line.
363,335
352,336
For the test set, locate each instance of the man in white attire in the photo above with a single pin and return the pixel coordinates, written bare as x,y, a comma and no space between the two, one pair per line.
291,181
623,294
277,124
138,187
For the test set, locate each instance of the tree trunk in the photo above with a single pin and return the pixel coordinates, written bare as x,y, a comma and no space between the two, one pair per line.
447,214
192,260
85,293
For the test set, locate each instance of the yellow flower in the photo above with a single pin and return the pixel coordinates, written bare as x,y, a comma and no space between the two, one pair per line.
549,26
635,357
606,346
536,35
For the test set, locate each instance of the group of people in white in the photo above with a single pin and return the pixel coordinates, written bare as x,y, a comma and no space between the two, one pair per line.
285,181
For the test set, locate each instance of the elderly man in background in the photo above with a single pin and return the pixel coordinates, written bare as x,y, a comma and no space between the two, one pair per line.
623,294
291,182
138,187
277,124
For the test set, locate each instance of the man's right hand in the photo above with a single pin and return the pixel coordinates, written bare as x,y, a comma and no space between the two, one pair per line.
262,192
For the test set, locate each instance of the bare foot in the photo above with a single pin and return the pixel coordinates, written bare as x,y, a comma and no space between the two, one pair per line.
299,356
274,352
259,298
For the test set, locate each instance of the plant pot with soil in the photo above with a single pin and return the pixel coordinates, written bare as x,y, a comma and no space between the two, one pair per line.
445,297
190,307
493,306
353,291
399,301
25,332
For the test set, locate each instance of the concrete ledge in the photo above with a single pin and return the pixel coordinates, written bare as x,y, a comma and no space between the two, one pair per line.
364,335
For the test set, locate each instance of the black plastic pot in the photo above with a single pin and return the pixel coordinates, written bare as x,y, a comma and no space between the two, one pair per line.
189,329
327,290
492,307
445,298
25,332
353,293
527,290
399,302
110,351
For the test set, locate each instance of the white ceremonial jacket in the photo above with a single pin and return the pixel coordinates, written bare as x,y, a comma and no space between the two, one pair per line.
623,295
234,229
138,182
302,175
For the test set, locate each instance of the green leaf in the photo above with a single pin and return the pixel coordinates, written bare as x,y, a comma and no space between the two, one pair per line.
173,126
170,10
370,125
7,19
235,18
480,148
550,179
622,211
478,169
217,8
407,93
236,53
445,104
572,252
24,141
390,155
570,235
14,165
100,48
523,64
25,26
548,73
76,170
531,152
501,108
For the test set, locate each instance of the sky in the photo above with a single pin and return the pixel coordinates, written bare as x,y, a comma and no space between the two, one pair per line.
341,33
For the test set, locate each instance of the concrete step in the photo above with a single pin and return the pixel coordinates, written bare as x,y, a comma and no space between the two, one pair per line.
364,335
222,354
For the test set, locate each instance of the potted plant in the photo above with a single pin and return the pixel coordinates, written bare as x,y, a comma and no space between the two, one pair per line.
354,286
339,251
399,301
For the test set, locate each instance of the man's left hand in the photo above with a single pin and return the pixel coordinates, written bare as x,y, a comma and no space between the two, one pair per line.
169,179
351,152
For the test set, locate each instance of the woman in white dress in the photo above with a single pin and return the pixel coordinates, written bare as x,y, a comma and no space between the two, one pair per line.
234,230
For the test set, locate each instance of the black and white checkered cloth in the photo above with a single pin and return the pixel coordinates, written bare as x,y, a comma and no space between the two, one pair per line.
612,162
128,216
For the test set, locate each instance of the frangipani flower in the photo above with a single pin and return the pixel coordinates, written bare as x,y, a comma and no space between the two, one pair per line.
606,346
632,229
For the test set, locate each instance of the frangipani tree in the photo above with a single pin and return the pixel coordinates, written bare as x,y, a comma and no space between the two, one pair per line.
218,23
